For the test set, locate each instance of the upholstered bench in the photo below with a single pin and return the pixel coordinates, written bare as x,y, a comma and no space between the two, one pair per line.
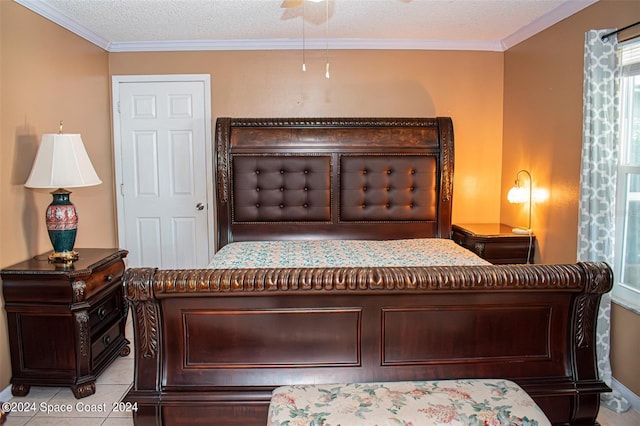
450,402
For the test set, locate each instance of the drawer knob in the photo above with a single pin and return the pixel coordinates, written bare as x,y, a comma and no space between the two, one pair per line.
102,312
109,278
106,340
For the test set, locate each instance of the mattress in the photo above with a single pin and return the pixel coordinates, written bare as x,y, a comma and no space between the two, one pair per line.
344,253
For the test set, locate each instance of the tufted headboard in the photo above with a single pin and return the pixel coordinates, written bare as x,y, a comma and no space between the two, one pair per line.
333,178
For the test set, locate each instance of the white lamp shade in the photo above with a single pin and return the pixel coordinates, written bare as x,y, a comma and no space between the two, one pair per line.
62,162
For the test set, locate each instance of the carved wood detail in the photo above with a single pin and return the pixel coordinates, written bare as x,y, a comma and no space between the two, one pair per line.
79,291
222,140
599,281
141,283
20,389
84,390
599,277
138,290
446,147
337,122
82,319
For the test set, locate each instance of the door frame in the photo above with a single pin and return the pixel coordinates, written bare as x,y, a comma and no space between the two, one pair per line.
116,80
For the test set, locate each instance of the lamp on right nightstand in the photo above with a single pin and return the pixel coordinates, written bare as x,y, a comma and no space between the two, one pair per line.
520,194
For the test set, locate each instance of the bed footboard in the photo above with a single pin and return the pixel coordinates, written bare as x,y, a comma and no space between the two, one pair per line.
211,345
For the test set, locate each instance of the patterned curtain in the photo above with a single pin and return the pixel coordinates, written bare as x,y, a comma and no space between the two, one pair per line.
596,222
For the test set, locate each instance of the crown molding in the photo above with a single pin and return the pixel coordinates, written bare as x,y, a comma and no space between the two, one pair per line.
563,11
309,44
43,9
558,14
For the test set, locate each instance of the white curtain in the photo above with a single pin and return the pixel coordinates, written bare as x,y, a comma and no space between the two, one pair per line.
598,180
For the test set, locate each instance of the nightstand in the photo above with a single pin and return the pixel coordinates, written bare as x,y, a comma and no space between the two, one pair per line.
495,242
66,323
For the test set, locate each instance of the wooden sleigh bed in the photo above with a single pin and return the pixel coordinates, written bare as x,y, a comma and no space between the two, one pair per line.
211,344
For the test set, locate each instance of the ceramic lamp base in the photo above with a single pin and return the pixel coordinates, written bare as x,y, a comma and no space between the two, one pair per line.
62,225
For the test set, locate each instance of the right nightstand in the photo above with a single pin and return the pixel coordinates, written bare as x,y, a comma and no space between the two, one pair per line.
495,242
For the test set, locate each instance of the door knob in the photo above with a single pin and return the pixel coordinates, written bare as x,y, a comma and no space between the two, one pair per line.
200,206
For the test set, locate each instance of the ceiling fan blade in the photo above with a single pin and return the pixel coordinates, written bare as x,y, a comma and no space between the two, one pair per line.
291,4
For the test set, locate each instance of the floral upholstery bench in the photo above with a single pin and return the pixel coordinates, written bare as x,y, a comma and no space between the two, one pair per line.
450,402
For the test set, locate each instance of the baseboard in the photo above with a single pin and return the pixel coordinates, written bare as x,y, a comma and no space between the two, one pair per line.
6,394
633,399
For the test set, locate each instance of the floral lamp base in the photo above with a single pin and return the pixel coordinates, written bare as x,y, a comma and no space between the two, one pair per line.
62,225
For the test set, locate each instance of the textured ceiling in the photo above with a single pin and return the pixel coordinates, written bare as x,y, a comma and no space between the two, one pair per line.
129,25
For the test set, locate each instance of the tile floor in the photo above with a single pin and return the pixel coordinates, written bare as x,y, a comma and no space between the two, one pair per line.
607,417
113,384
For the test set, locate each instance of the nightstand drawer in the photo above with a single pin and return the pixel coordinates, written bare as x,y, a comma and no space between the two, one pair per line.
106,311
499,252
106,341
105,276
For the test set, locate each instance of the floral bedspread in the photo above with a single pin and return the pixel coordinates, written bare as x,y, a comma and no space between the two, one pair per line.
447,402
344,253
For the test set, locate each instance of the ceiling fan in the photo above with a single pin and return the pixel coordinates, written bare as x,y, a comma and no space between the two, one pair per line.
290,4
311,11
296,9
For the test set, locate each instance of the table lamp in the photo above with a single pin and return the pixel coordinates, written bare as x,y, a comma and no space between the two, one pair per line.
520,194
62,162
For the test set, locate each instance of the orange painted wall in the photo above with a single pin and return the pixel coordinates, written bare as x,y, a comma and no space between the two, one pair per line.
543,133
464,85
49,74
531,94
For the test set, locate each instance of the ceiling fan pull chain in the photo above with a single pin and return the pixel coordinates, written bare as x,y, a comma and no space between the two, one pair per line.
304,65
326,73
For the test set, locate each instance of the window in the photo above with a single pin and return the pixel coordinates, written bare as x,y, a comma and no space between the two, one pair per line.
627,249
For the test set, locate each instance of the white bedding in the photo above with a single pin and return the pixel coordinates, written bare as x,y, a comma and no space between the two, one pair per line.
343,253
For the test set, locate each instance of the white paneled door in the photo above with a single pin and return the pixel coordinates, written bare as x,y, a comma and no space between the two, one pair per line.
162,141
